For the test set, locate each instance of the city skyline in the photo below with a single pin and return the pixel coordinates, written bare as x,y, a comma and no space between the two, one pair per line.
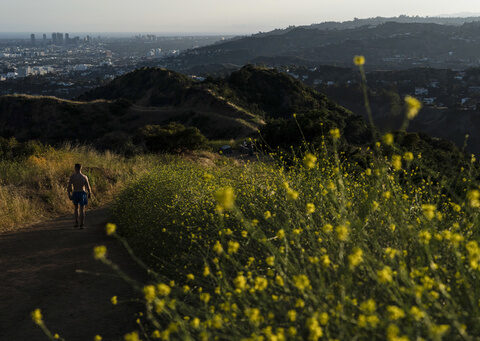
203,17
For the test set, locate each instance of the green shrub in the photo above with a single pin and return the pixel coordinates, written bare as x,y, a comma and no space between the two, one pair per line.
171,137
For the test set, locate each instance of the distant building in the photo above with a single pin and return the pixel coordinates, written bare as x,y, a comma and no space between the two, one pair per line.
54,38
429,100
474,90
24,71
44,39
81,67
421,91
32,39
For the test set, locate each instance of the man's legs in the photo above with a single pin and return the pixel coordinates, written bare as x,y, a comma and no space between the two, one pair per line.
76,215
82,215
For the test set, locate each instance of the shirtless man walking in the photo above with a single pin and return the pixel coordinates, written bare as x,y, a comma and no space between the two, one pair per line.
79,191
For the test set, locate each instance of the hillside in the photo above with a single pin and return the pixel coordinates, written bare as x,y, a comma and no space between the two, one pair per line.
386,44
222,108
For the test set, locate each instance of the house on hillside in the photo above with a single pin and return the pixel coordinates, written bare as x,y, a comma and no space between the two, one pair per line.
429,100
421,91
475,90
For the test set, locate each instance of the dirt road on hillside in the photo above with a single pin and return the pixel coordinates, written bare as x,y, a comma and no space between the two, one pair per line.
38,270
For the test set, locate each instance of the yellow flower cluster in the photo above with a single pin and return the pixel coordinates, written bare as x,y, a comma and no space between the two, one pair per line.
413,107
359,60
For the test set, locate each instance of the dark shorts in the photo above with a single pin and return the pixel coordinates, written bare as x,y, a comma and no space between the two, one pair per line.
80,198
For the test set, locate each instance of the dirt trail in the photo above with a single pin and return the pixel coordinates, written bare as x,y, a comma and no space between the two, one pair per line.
38,270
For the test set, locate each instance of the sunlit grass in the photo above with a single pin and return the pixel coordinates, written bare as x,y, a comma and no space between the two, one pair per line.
34,188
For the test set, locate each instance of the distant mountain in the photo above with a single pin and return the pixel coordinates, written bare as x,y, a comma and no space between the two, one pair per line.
432,42
460,15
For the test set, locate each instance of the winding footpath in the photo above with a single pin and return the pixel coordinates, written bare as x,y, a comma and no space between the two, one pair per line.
38,269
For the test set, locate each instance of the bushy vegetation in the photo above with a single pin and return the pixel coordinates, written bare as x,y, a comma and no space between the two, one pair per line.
322,249
33,179
171,137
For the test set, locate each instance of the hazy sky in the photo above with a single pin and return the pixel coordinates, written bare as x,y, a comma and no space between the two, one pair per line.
225,16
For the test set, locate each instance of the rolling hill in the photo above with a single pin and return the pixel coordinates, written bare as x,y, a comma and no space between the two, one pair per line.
223,108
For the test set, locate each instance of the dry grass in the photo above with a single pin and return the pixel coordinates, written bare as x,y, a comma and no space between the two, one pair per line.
34,189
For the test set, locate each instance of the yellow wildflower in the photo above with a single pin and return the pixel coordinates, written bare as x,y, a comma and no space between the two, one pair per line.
233,246
225,198
309,160
261,283
335,133
253,315
114,300
270,260
474,198
326,260
388,139
395,313
327,228
424,236
438,331
323,319
195,322
417,313
385,275
429,211
408,156
397,162
279,280
218,247
159,306
205,297
149,293
292,194
301,282
359,60
133,336
110,228
355,258
310,208
315,331
413,107
292,315
342,232
240,282
100,252
37,317
163,289
473,254
369,306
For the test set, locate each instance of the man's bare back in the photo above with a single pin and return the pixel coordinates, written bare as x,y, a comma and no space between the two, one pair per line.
79,182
